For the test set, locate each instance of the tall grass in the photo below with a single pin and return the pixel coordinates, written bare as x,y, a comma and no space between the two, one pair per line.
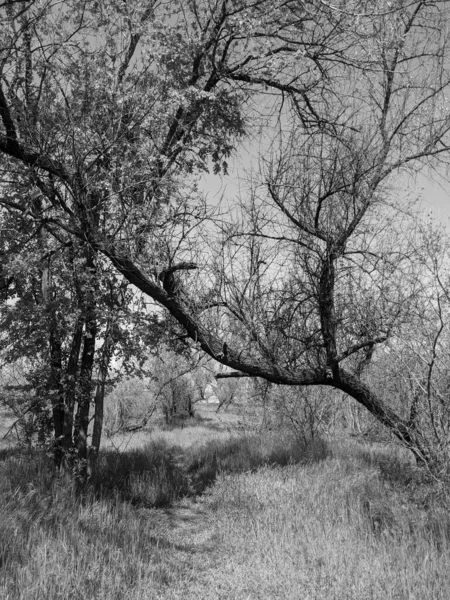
158,474
248,453
334,530
276,519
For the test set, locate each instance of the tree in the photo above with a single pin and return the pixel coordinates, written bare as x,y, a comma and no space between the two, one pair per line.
111,133
64,321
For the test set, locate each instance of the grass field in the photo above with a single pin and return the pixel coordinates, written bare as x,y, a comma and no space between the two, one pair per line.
205,513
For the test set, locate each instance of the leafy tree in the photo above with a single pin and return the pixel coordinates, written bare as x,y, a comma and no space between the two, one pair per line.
68,322
109,110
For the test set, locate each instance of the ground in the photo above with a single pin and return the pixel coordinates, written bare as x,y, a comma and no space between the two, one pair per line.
222,510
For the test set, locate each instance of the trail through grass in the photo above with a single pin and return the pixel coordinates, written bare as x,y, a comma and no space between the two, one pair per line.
261,517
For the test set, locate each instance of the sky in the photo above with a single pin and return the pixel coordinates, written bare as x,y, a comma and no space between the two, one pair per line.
435,196
433,192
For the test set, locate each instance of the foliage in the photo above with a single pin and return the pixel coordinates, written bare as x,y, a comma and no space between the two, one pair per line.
32,422
58,306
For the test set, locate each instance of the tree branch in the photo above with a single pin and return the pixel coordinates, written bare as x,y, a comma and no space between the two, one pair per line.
35,158
232,374
353,349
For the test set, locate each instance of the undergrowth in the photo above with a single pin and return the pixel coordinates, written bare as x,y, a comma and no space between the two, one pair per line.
33,497
276,519
158,474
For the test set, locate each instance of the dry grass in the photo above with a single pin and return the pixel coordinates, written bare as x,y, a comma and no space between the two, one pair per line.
270,523
331,530
208,425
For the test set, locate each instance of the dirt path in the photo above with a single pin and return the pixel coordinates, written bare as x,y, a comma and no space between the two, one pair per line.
189,524
195,557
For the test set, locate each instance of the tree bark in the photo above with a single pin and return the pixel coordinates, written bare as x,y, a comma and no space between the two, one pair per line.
70,385
107,350
56,389
84,394
401,428
86,367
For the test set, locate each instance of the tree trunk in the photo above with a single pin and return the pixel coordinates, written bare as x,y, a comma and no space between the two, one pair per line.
55,387
107,350
88,295
56,390
401,428
70,385
85,388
